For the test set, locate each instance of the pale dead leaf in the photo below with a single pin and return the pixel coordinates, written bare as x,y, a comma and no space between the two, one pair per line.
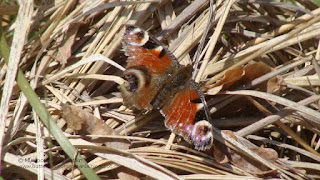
65,50
84,123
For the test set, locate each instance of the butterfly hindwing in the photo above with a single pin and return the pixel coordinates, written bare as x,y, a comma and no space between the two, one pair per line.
180,117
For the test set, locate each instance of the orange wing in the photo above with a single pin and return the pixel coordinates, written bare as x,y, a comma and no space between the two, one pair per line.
180,117
143,49
149,65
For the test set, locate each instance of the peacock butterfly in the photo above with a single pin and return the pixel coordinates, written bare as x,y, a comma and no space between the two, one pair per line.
156,81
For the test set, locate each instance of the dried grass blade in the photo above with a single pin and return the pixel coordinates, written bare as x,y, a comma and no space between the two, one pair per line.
134,164
113,78
187,13
273,118
19,38
42,112
278,100
243,149
284,28
265,49
283,145
101,8
92,58
215,37
32,167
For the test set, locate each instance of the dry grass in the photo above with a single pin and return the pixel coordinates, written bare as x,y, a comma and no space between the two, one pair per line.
53,43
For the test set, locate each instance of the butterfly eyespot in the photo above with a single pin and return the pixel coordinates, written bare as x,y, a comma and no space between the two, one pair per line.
202,135
136,78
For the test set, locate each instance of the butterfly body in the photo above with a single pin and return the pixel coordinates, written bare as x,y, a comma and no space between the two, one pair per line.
156,81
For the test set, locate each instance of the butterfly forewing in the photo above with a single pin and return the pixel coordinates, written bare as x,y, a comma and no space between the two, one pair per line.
144,52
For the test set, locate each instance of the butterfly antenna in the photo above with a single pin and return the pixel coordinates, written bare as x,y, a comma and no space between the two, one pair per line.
197,57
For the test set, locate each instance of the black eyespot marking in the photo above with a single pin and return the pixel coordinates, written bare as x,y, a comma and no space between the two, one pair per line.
200,115
198,100
162,53
140,34
150,45
132,82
